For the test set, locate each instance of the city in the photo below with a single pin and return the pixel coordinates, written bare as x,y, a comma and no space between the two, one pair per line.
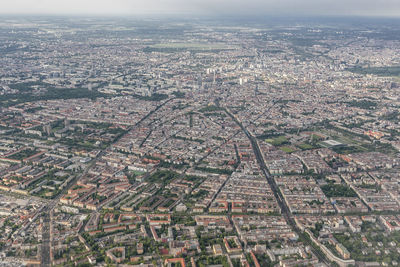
166,142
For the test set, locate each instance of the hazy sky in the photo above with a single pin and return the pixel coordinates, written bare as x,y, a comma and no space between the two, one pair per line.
208,7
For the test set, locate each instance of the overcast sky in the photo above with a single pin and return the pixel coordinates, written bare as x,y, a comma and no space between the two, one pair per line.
206,7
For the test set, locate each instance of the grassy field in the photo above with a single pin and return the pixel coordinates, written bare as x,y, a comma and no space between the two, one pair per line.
305,146
137,173
287,149
389,71
277,141
192,46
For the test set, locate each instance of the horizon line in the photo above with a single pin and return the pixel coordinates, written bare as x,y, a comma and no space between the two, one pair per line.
200,15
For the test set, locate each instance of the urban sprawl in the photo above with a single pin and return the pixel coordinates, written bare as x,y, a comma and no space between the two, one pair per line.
173,143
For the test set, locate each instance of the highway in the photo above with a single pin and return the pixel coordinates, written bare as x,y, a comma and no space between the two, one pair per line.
277,193
45,212
45,249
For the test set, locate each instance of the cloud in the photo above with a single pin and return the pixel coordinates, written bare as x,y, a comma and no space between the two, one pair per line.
276,7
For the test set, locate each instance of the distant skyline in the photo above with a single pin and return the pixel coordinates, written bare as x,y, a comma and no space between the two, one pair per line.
384,8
